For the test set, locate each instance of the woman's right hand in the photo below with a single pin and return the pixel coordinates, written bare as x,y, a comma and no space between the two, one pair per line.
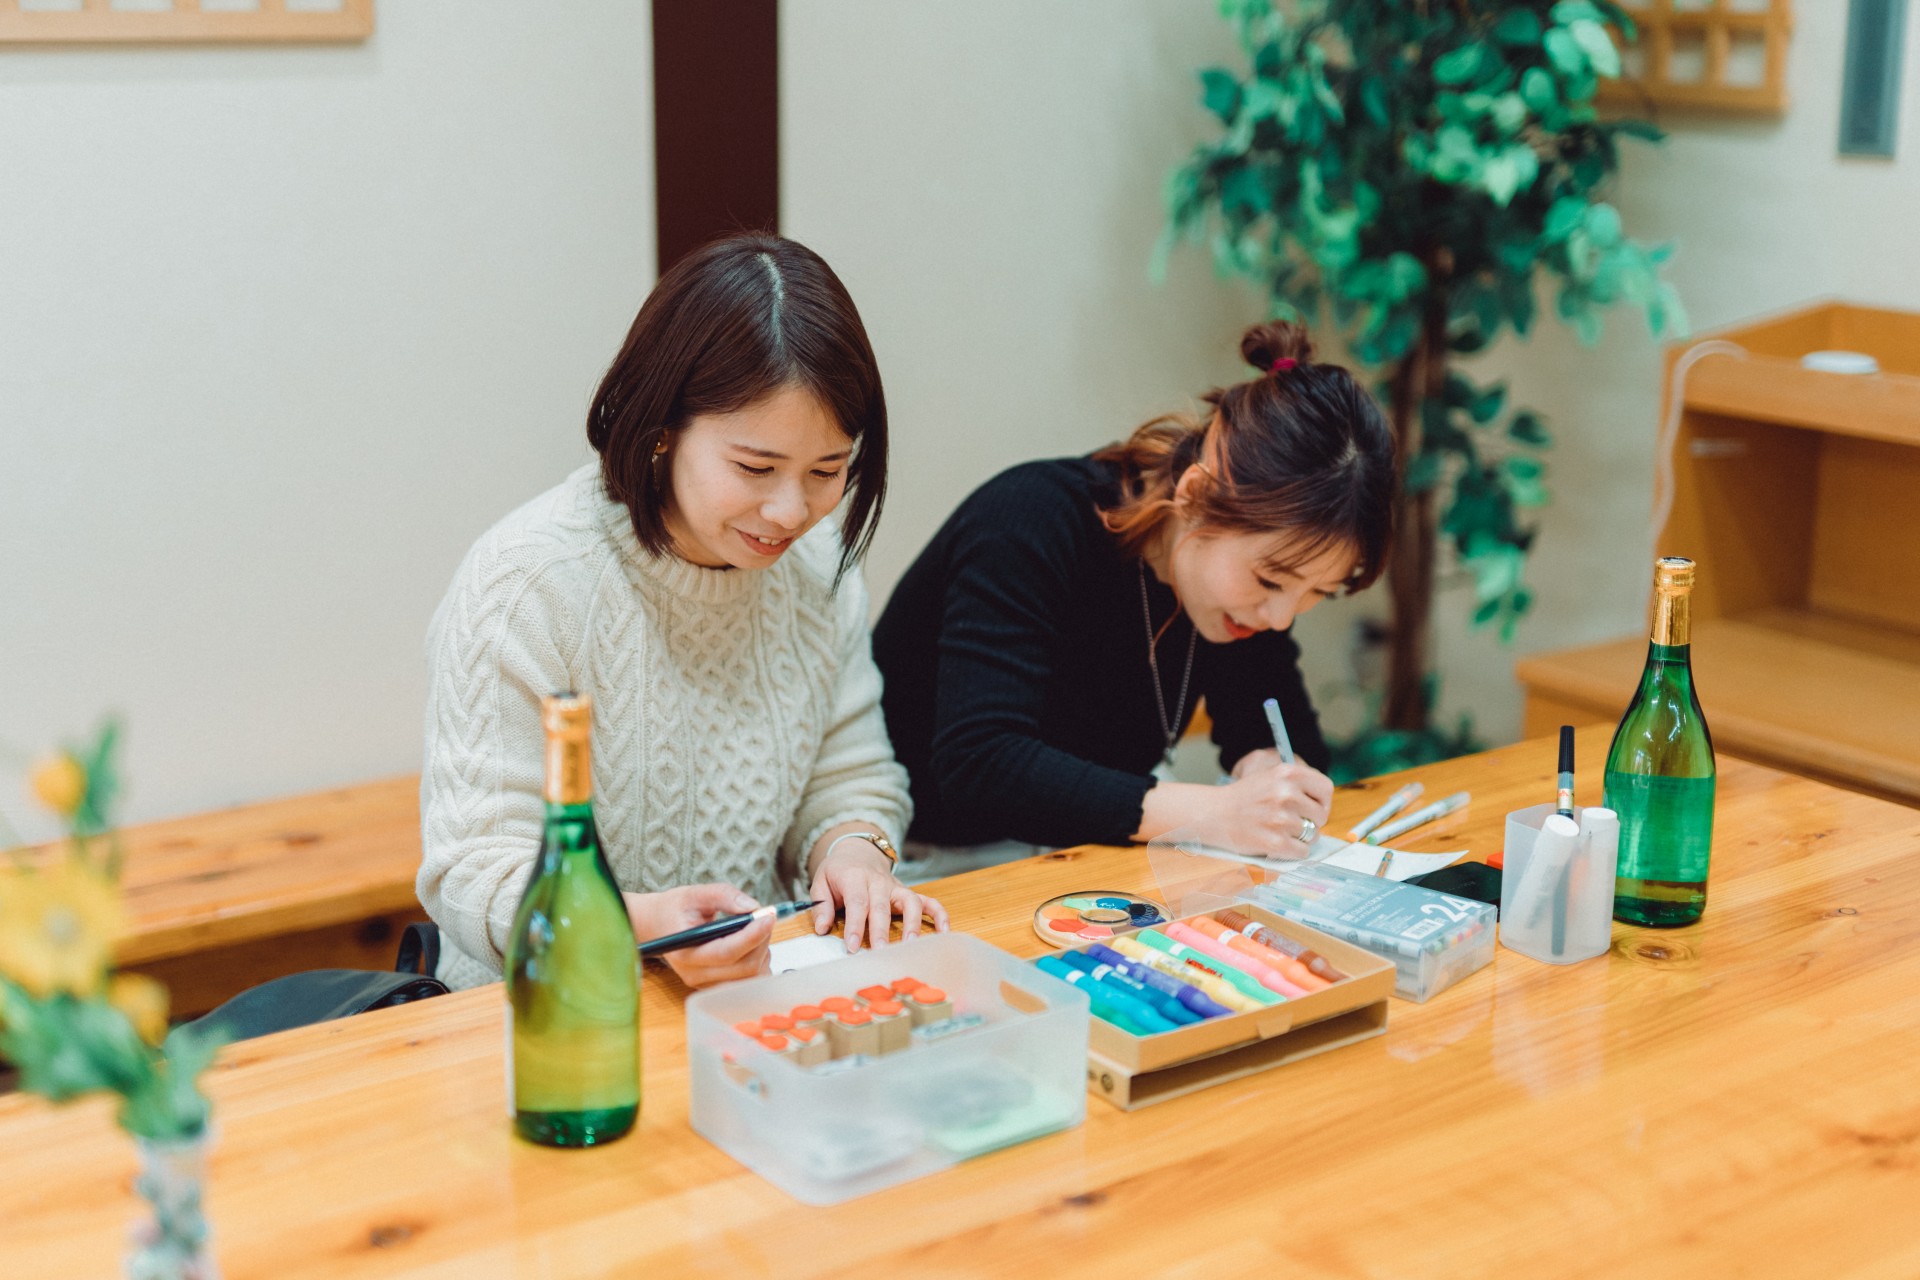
1265,811
738,955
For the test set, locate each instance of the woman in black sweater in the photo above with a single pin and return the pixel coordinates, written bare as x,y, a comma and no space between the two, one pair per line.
1047,649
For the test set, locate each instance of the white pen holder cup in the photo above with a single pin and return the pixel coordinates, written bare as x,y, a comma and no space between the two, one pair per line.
1556,894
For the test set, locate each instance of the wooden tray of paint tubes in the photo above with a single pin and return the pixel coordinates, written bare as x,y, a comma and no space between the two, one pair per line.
1304,994
924,1054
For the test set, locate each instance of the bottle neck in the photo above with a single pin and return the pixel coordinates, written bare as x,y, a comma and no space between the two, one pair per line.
569,771
1672,620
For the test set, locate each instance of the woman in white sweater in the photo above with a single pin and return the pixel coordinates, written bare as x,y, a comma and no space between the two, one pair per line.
692,584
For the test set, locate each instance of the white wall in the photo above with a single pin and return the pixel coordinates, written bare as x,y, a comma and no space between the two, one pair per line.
281,331
987,177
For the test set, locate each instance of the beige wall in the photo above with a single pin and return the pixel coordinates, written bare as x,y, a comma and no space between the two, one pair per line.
281,331
985,178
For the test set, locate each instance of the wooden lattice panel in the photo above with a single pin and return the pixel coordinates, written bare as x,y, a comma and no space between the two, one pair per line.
1725,55
183,21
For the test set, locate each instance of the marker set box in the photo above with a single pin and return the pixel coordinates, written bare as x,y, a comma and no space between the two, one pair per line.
1006,1066
1133,1070
1432,939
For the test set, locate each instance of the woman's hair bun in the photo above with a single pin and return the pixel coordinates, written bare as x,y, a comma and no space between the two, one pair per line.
1275,340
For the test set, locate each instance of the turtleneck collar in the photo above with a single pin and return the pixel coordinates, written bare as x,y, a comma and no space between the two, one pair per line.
682,578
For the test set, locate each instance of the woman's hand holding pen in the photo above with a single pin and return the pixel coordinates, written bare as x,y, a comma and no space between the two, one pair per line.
858,878
738,955
1267,806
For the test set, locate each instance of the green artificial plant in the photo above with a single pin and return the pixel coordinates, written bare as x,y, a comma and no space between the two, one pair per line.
1417,168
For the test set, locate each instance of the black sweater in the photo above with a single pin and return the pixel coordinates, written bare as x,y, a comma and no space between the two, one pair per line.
1018,694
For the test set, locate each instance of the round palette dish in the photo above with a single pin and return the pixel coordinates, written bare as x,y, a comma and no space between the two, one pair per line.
1093,915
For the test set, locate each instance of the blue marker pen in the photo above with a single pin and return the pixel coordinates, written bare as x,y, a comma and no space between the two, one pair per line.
1185,992
1164,1005
1122,1011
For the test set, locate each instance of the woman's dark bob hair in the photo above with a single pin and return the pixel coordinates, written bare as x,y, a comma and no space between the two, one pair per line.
726,326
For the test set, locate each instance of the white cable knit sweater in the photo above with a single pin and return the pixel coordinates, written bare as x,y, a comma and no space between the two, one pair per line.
736,714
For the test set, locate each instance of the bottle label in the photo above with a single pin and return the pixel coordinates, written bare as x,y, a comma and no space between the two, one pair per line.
1666,826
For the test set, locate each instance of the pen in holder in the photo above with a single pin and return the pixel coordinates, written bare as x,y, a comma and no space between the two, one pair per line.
1556,891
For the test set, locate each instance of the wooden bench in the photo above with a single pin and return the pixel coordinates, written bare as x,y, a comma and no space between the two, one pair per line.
221,901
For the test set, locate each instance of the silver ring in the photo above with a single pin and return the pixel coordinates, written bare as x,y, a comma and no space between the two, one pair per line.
1308,830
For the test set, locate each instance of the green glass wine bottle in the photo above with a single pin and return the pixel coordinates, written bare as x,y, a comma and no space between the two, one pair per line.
1660,774
573,974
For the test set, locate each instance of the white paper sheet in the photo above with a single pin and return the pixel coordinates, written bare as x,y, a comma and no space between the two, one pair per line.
807,950
1364,858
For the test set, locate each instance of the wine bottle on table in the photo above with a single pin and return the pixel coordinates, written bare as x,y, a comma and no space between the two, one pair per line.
1659,775
573,974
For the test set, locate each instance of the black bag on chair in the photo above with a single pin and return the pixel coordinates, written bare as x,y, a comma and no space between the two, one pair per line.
320,995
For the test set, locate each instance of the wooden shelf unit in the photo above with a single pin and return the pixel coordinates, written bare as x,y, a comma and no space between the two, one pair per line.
1671,34
1798,492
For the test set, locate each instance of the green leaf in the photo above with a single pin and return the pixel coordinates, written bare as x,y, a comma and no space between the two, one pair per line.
1486,405
1602,53
1537,87
1373,99
1518,26
1457,66
1220,93
1603,225
1509,113
1527,428
1566,213
1568,12
1564,52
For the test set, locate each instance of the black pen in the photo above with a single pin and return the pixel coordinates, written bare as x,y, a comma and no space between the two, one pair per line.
720,927
1565,808
1557,939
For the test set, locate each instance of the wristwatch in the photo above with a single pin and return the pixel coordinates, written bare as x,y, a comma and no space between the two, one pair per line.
877,839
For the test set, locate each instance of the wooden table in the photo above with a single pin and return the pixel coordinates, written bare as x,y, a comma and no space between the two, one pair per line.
1738,1098
219,902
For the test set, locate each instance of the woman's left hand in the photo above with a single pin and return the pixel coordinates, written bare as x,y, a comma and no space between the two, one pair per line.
859,878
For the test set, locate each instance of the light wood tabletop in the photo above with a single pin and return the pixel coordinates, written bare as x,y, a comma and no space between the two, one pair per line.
1740,1098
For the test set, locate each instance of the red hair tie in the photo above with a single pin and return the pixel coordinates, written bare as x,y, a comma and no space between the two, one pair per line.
1281,365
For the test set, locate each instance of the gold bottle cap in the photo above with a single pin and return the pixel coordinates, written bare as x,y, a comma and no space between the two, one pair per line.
1673,574
568,714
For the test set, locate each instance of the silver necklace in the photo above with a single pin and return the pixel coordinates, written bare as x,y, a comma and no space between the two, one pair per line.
1171,730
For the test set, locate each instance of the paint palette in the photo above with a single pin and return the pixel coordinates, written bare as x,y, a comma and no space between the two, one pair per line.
1093,915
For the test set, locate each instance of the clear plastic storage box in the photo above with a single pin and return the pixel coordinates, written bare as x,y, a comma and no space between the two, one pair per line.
961,1088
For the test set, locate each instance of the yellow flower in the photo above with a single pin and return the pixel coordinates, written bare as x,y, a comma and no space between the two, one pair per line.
143,1001
57,928
60,783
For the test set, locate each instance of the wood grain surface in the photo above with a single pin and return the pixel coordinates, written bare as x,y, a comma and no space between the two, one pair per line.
1739,1098
219,902
263,870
